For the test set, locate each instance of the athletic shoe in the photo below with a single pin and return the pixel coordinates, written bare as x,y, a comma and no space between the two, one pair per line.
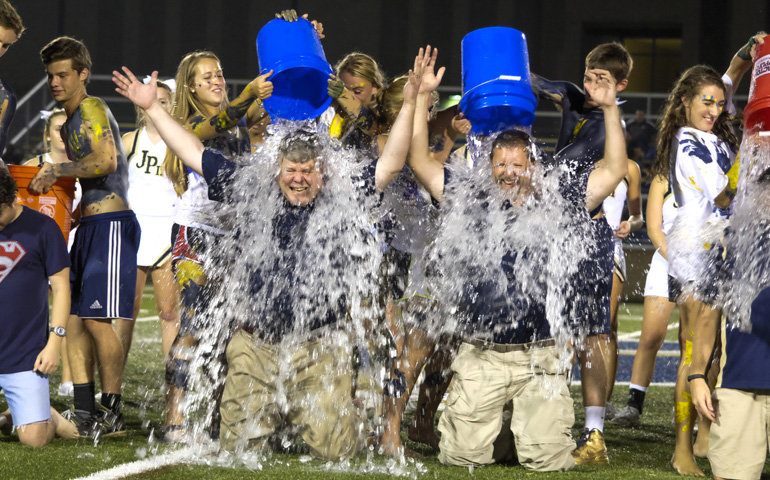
609,411
591,449
66,389
87,424
627,417
111,422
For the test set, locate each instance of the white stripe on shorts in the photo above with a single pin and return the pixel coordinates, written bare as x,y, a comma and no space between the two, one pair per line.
113,270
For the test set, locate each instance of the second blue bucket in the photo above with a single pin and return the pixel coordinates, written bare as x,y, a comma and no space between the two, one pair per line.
497,91
300,70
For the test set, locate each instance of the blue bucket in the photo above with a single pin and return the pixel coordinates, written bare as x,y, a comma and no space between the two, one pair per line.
497,92
300,70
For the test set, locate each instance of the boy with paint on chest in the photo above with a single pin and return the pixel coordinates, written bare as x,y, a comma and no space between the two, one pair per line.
104,252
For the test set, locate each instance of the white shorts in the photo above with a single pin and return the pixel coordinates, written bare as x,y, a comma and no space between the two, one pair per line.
27,396
657,277
155,243
619,261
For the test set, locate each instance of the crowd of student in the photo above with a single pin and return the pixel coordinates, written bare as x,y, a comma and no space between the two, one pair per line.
502,351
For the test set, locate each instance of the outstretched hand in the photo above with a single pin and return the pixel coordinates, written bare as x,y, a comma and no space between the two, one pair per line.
430,79
600,86
143,95
291,16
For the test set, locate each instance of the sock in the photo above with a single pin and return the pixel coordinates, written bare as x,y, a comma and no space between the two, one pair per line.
636,397
111,401
84,397
595,418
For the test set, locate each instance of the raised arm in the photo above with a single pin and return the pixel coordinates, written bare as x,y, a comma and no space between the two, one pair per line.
396,149
429,171
634,201
183,143
363,118
742,60
611,169
655,200
94,146
209,127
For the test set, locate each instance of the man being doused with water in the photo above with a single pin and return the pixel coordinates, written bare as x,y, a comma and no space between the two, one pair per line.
509,386
290,361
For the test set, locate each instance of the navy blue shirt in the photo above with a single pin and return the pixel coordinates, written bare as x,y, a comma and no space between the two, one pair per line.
7,111
747,355
504,313
32,248
269,281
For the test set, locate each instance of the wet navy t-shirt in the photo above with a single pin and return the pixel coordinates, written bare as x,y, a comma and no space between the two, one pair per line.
32,248
289,227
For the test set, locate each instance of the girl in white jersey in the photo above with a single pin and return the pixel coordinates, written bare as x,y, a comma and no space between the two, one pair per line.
661,212
201,105
628,191
153,200
696,150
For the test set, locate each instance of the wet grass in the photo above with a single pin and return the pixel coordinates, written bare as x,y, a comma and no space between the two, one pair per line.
634,453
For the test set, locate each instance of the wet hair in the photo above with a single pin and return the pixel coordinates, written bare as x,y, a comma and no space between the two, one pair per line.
58,111
300,146
612,57
515,139
363,66
10,19
141,118
674,116
185,104
8,188
67,48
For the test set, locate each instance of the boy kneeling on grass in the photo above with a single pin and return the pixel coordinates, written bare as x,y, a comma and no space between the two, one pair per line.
32,253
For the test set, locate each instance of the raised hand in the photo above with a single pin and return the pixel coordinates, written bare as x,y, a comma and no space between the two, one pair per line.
319,27
430,79
143,95
288,15
461,124
336,86
600,86
261,87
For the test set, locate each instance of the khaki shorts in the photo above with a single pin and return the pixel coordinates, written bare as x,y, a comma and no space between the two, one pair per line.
738,444
310,387
475,430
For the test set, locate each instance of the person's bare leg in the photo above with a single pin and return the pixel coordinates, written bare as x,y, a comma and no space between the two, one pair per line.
167,302
593,372
80,351
36,434
406,369
109,353
181,349
683,460
66,372
63,428
609,343
125,328
657,312
432,389
701,446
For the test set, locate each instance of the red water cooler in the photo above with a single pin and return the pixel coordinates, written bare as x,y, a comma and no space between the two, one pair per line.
756,115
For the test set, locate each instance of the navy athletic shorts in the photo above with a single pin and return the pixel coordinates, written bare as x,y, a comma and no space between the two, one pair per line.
103,274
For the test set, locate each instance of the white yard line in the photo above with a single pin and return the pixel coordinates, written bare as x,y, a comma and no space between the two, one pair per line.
183,455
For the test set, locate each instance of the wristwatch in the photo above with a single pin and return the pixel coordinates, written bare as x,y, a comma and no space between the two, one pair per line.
59,331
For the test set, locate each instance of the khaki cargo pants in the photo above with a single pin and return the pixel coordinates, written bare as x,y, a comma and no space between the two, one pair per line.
307,384
478,427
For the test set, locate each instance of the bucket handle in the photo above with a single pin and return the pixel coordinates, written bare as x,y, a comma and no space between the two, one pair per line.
63,202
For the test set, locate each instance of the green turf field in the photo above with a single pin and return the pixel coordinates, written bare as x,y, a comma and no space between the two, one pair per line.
634,453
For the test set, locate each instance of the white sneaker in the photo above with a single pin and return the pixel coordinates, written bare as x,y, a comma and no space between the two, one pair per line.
66,389
627,417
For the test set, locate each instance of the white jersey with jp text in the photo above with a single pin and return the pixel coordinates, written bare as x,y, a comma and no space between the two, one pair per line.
614,203
150,193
